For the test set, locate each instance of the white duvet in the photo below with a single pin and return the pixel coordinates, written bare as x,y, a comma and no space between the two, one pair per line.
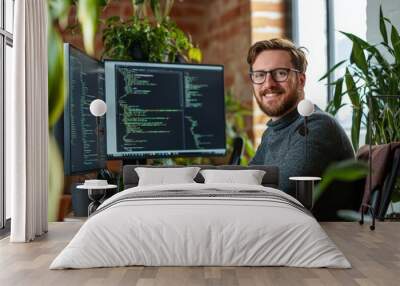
200,231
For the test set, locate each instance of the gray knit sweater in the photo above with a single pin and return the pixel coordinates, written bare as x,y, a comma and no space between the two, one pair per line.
282,145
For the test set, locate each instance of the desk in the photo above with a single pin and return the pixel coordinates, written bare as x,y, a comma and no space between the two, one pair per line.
305,190
95,194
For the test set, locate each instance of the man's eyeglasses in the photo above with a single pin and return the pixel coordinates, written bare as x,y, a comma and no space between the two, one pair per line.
278,75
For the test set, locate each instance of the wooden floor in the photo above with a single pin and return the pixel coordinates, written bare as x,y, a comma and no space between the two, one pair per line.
374,255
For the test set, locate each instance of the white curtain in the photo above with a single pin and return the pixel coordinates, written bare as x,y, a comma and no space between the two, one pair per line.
27,123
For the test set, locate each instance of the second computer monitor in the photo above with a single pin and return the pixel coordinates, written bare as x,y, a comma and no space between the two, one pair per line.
163,110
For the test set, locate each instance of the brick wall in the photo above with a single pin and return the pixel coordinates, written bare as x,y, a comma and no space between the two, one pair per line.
222,31
269,19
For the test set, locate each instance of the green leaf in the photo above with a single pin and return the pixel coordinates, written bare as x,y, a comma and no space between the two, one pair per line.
112,20
368,47
356,126
352,89
59,10
368,128
358,57
155,8
56,178
350,215
88,15
332,110
250,150
348,170
332,69
195,54
56,76
394,36
336,103
382,25
363,44
337,98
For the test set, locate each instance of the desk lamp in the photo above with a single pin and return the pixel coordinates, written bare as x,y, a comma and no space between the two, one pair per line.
98,108
305,109
305,185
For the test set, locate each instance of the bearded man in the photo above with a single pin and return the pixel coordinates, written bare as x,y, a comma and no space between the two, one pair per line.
277,73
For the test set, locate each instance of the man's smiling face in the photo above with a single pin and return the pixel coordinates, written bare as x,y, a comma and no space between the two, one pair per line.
277,98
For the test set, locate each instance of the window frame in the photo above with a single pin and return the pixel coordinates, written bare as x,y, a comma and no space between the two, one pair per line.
296,32
330,39
6,39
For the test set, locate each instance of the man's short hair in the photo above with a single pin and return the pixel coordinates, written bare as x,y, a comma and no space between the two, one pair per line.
298,56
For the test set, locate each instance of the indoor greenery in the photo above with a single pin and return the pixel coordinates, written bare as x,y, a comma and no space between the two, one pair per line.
345,171
236,114
140,39
371,70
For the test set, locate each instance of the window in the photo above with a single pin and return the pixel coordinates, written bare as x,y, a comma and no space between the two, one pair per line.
316,26
309,31
6,44
351,17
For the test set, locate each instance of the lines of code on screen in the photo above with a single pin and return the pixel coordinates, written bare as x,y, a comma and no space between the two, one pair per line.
86,83
171,110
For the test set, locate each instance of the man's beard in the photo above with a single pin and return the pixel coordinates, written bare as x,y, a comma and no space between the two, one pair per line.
282,107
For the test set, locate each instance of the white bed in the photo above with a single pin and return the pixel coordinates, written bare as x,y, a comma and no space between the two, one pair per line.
268,228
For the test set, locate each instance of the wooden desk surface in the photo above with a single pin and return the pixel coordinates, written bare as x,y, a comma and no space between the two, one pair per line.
374,255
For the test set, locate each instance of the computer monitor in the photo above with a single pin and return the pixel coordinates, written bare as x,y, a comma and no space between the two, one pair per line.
84,83
160,110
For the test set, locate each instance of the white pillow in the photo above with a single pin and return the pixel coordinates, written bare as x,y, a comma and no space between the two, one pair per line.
163,176
248,177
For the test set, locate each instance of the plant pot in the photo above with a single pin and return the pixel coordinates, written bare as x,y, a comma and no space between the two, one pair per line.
137,53
180,59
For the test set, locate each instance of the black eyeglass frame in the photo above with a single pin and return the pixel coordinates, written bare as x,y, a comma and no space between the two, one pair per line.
266,72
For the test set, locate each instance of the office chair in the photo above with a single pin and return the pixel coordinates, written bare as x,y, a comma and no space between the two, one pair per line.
388,186
386,173
237,151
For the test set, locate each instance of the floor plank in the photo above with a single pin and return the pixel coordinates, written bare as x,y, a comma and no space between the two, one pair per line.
374,255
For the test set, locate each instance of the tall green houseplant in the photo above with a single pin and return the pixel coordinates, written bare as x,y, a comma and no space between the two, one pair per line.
367,74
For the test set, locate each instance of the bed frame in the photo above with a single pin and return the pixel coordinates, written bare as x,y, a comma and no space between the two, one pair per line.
270,179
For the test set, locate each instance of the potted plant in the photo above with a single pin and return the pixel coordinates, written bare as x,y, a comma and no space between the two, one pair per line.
138,38
368,74
372,83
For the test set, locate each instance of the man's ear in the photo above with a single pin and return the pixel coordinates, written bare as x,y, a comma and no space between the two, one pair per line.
302,79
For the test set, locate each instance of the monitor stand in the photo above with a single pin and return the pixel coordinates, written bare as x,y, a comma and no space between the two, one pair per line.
134,162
